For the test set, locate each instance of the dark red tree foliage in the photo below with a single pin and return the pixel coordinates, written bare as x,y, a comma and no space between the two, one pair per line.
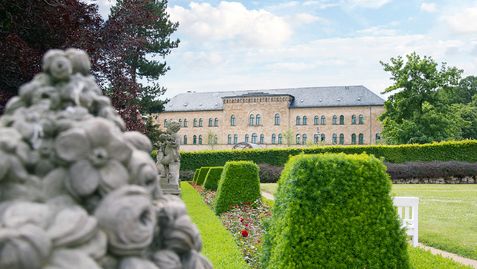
118,47
28,28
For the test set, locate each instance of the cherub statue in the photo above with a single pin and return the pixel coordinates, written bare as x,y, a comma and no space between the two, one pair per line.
168,153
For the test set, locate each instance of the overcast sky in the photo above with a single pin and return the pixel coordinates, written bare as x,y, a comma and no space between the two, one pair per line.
282,44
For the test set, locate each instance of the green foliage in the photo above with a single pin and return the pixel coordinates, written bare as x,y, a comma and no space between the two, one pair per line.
334,211
152,131
202,174
218,243
239,183
420,110
444,151
422,259
212,179
196,175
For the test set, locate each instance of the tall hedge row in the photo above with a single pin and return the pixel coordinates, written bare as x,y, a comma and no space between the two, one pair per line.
213,177
444,151
202,174
334,211
239,183
196,174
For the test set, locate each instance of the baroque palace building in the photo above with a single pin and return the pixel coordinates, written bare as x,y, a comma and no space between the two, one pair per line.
345,115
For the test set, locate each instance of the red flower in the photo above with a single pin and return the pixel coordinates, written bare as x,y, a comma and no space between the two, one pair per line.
244,233
241,219
246,224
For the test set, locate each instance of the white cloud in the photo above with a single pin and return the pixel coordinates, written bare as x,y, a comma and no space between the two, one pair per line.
462,20
324,4
429,7
231,21
368,3
306,18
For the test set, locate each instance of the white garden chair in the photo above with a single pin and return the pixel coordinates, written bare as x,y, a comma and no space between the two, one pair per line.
408,211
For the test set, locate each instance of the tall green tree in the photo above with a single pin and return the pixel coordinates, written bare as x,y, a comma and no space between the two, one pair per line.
415,113
138,36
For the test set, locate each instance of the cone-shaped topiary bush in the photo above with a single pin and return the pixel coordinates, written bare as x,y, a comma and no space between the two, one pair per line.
196,174
213,176
202,174
334,211
238,183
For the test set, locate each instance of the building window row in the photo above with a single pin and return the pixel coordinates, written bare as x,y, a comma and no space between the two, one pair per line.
213,122
254,120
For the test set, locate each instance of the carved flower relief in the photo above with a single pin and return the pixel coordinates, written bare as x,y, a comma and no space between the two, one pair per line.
96,151
128,218
144,172
14,154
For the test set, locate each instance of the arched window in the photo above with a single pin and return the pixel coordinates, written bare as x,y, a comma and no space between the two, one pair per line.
235,138
200,122
200,139
361,119
210,122
305,120
216,122
258,120
185,140
378,138
274,137
277,119
323,120
353,139
353,119
335,120
262,139
180,122
195,122
232,120
216,140
341,120
165,123
251,120
316,138
298,120
229,139
303,139
246,138
361,139
185,122
334,139
254,138
341,139
316,120
298,139
194,139
323,137
280,139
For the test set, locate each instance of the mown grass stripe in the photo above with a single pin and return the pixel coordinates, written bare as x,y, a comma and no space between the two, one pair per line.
218,244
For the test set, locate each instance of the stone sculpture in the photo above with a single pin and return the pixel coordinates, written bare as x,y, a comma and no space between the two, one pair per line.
77,191
168,158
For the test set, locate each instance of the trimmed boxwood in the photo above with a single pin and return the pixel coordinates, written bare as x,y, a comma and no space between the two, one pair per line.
334,211
465,150
239,183
202,174
212,179
196,174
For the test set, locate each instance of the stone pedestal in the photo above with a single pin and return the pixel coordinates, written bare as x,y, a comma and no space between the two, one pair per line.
170,185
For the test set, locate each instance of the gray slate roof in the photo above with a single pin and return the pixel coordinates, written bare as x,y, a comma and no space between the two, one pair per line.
303,97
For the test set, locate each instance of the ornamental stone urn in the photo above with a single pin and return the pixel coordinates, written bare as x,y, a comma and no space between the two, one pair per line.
77,191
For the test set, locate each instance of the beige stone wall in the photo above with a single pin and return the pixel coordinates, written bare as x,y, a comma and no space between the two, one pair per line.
267,111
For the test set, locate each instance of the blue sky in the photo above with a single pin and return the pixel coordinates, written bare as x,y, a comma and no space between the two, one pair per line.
236,45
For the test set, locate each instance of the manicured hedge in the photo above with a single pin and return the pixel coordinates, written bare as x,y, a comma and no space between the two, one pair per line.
196,174
444,151
239,183
334,211
201,176
213,176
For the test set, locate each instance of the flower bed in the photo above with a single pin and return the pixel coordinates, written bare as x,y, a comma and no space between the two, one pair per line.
246,223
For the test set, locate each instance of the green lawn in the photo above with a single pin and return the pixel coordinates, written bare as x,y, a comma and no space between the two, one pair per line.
447,215
218,244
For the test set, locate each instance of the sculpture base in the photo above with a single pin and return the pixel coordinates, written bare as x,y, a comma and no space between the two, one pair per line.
168,188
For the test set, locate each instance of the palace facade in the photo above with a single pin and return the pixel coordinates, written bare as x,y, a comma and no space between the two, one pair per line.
345,115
